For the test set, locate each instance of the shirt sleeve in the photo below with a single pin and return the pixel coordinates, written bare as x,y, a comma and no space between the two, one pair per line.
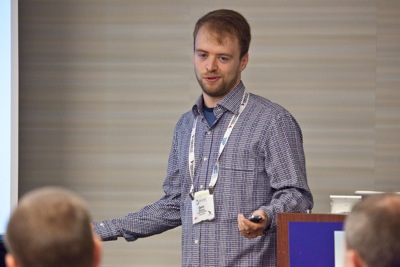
285,165
155,218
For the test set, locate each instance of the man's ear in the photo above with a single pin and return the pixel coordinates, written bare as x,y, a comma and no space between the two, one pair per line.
98,247
244,61
10,261
353,259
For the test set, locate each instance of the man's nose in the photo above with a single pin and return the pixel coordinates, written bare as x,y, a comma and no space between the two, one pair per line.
212,64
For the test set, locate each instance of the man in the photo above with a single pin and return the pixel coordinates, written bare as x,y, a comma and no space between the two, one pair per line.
234,154
372,232
51,227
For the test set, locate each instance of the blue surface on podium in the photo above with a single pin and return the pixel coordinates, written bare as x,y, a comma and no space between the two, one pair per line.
312,244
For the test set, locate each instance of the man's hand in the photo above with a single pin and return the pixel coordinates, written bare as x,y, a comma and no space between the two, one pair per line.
250,229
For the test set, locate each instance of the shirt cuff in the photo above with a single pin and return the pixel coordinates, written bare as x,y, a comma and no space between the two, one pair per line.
105,230
270,219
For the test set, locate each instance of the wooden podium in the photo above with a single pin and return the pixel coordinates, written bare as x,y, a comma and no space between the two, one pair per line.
306,227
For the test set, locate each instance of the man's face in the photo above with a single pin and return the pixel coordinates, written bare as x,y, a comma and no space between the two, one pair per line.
218,66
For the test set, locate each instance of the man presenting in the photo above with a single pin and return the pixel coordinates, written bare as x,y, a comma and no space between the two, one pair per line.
234,154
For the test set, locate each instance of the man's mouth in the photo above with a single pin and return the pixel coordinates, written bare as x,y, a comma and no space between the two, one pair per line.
211,79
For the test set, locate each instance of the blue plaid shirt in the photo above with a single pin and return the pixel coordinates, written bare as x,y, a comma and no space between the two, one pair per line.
261,167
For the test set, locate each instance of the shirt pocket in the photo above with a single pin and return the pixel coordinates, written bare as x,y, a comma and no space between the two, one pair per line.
234,191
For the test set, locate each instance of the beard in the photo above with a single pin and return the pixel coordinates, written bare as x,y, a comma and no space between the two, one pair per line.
218,89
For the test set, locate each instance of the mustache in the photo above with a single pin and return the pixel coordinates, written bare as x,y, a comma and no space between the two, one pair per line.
210,74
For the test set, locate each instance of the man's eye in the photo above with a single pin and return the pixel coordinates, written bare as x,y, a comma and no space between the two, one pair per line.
202,55
224,58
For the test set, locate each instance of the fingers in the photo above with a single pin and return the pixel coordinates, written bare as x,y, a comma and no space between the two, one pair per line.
246,228
250,234
243,228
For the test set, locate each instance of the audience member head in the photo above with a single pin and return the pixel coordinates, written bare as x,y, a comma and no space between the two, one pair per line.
373,232
51,227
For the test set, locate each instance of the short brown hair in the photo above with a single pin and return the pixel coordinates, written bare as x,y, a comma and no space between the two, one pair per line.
226,22
51,227
373,230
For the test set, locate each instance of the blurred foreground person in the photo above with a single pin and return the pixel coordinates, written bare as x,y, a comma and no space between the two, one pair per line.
373,232
51,227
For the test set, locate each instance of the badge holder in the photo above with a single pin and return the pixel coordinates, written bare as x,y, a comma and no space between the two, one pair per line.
202,205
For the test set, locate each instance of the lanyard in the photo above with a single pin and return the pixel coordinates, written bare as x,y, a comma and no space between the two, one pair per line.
215,171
